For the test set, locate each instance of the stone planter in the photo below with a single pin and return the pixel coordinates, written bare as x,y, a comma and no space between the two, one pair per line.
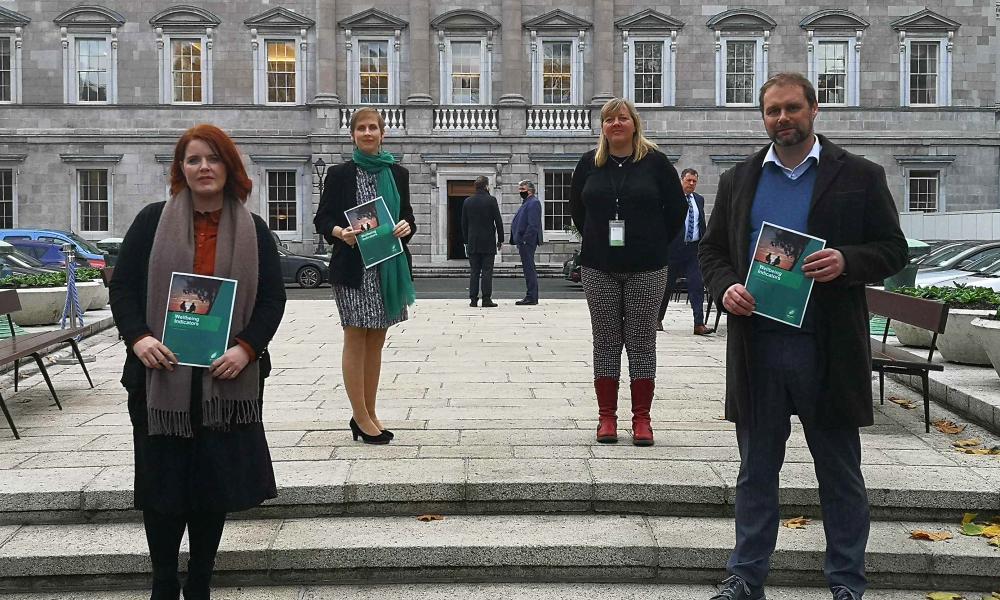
959,342
988,332
908,335
101,297
44,306
88,292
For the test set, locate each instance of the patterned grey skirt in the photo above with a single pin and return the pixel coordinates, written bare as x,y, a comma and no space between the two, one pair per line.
363,307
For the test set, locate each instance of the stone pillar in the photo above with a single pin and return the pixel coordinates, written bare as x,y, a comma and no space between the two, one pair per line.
603,50
326,53
513,54
420,44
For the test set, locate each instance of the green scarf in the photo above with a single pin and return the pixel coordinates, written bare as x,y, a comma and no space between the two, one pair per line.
397,287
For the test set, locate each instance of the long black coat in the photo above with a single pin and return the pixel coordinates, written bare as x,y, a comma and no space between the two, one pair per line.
482,225
853,210
214,471
340,193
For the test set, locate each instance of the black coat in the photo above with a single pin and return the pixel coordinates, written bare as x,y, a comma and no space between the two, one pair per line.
853,210
482,225
679,249
340,193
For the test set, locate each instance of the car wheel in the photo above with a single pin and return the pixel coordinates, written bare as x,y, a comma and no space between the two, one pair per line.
308,277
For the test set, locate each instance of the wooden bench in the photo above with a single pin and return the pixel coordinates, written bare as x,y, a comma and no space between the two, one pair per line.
926,314
17,347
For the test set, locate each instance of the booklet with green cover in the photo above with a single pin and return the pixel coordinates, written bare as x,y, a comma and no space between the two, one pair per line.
373,227
199,315
776,280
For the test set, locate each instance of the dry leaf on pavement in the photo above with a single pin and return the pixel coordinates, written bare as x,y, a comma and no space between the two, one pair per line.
796,523
967,443
930,536
945,596
993,531
429,518
969,517
949,427
994,451
902,402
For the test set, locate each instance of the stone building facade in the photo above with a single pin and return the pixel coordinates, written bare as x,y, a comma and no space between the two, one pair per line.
93,96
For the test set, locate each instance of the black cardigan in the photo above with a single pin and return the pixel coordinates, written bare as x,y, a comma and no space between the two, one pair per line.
128,293
652,205
340,193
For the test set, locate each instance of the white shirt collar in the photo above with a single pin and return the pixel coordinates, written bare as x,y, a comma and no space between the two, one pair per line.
799,169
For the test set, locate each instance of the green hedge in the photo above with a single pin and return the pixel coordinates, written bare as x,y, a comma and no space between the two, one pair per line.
959,296
49,279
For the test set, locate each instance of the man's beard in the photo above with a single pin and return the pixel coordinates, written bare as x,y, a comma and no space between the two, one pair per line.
798,138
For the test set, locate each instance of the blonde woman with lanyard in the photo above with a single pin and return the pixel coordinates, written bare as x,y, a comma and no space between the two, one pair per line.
369,300
626,200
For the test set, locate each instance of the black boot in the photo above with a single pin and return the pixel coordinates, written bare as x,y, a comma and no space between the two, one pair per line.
488,303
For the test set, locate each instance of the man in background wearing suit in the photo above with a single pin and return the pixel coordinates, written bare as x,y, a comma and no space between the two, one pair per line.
526,234
482,231
682,259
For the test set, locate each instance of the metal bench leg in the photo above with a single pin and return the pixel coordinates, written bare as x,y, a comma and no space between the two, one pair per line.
76,351
45,374
927,403
17,369
881,387
10,421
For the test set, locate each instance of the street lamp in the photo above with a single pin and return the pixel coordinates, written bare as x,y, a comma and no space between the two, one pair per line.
319,169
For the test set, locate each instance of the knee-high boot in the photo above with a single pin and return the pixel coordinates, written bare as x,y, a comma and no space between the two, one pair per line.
642,400
607,407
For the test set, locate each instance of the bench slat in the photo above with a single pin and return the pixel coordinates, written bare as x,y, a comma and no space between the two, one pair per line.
12,349
926,314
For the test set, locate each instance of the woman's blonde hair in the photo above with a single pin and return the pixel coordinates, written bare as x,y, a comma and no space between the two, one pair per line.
640,145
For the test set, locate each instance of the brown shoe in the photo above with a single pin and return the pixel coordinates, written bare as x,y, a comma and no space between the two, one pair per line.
702,330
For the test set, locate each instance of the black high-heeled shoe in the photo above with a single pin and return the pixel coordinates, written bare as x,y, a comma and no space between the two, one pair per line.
381,438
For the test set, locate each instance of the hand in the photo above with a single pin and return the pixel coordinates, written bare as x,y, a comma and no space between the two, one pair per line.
825,265
153,354
230,364
348,236
738,301
402,229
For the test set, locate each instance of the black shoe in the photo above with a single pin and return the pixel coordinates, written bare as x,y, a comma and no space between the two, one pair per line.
659,325
488,303
734,588
841,592
381,438
473,302
526,302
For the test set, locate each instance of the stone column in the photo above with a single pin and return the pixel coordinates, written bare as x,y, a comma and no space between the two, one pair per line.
602,50
326,53
420,44
513,54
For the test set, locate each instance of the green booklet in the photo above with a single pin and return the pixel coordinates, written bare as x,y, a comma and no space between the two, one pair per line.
776,280
199,315
373,226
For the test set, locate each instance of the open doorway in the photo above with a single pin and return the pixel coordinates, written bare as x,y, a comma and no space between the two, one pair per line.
458,191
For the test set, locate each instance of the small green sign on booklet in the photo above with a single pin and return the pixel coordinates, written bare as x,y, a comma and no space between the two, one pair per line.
373,227
776,280
199,315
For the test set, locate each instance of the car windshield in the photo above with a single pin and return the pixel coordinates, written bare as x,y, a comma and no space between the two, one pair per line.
981,262
942,255
26,259
88,246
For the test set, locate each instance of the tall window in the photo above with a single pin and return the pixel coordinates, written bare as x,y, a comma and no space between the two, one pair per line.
923,192
648,77
282,200
557,71
924,72
741,57
831,80
93,68
466,72
5,70
281,83
186,68
374,71
556,206
6,198
92,188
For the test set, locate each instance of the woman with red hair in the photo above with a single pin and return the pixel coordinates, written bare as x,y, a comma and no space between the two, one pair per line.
200,450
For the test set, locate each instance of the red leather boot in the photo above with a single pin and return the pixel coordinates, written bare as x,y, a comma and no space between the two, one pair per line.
607,407
642,400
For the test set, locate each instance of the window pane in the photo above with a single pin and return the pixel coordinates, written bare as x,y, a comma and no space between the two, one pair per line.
282,200
556,205
648,72
7,198
374,71
5,70
186,60
466,70
557,66
923,72
923,195
740,58
281,71
93,196
832,72
92,69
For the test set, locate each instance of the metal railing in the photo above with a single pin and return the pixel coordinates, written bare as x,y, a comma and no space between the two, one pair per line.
562,118
466,118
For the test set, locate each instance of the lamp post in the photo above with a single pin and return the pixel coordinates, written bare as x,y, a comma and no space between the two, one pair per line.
319,169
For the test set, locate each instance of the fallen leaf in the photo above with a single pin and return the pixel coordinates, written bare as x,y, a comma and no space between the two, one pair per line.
995,542
945,596
993,531
969,517
994,451
930,536
720,418
429,518
902,402
796,523
993,596
949,427
967,443
973,529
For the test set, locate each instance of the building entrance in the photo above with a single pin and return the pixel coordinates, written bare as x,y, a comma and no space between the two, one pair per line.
458,191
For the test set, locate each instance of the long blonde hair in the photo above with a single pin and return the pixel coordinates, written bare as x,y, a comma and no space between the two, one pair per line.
640,145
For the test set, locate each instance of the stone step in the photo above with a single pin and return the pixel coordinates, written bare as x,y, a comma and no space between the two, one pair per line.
459,591
460,268
394,486
468,549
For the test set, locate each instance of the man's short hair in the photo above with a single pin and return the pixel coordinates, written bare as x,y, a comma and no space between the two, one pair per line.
482,183
528,184
788,79
687,171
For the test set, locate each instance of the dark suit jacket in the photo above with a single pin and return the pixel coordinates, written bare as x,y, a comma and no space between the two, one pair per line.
340,193
678,249
853,210
482,226
526,227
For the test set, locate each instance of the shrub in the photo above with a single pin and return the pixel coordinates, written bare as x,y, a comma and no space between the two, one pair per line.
47,280
959,296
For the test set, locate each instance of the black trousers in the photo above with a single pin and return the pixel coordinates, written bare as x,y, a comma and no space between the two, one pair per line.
482,268
164,533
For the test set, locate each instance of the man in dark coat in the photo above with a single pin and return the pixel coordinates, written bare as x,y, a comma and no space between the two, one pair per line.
482,231
821,371
682,256
526,234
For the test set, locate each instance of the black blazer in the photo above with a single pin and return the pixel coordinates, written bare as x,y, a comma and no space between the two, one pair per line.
678,249
340,193
853,210
128,293
482,225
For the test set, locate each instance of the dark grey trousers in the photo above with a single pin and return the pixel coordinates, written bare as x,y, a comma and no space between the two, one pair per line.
481,269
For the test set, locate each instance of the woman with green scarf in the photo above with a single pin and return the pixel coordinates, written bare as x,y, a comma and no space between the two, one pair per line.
369,300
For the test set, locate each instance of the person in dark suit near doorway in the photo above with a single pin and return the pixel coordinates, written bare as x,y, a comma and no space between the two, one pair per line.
682,257
482,232
526,234
821,371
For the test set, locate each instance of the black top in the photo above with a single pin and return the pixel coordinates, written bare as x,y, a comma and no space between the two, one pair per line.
651,202
340,193
482,225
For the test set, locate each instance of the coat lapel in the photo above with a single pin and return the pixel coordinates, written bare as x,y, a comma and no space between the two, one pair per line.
830,162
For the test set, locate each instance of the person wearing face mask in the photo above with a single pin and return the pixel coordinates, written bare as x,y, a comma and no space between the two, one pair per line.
526,234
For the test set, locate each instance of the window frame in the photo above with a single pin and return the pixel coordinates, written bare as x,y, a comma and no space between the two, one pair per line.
940,192
261,80
265,199
263,165
205,38
392,64
75,212
852,84
552,235
721,67
14,40
943,90
14,172
447,70
575,73
668,81
71,67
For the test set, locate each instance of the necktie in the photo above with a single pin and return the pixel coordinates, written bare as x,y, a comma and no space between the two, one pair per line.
689,228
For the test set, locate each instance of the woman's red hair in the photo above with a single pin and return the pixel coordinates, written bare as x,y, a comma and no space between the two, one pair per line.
238,184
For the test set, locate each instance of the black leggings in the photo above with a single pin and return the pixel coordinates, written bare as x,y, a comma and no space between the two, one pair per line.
164,533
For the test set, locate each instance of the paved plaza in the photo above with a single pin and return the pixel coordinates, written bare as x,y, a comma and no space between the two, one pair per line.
494,416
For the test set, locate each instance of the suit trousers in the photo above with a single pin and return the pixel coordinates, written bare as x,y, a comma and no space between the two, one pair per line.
688,267
164,533
481,269
783,372
527,252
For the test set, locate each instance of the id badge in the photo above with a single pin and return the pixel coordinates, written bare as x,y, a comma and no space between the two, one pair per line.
616,229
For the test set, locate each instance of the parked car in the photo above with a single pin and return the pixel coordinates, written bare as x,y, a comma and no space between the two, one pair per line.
95,257
571,268
958,256
307,271
17,263
48,254
983,263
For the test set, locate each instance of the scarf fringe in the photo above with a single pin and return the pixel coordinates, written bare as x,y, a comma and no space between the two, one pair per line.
169,422
218,413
